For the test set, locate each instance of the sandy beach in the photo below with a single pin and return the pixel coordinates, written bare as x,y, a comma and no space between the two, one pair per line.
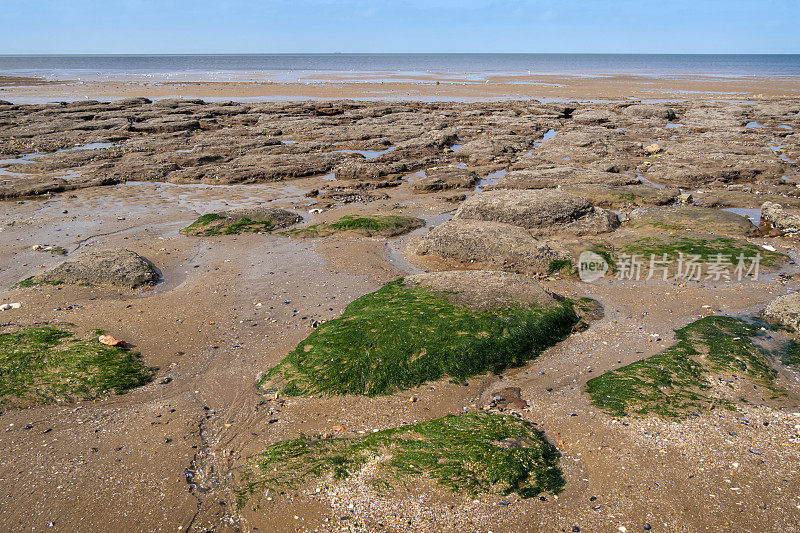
434,87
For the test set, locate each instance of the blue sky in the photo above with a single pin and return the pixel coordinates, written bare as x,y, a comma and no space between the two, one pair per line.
281,26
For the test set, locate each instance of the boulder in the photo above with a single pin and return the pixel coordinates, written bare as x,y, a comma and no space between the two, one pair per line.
258,218
121,268
649,111
490,243
280,218
775,218
785,310
486,289
547,211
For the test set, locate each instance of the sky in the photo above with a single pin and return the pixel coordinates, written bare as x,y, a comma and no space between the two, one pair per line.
371,26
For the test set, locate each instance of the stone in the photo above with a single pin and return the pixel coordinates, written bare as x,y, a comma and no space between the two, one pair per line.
775,217
784,310
475,242
117,267
543,212
486,289
653,148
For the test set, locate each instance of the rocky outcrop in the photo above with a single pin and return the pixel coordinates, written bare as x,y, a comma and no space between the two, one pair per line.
542,212
680,218
547,178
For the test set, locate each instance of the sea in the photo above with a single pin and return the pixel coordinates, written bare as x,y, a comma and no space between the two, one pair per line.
311,68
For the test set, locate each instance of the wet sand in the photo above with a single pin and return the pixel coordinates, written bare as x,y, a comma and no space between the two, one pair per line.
431,87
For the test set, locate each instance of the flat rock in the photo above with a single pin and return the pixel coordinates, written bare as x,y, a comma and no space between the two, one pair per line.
446,179
543,212
547,178
612,196
672,219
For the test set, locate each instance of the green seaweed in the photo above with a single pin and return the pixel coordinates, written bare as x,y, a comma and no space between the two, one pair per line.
674,383
33,282
563,266
472,453
401,337
368,225
235,227
706,248
48,365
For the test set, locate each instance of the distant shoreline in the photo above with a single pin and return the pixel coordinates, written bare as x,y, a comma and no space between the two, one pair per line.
421,87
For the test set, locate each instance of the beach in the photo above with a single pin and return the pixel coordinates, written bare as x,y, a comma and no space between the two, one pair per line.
422,88
242,197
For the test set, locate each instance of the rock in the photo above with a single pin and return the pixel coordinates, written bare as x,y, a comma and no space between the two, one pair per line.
122,268
166,124
446,179
775,217
486,289
653,148
509,397
280,218
108,340
208,225
685,198
547,178
592,117
543,212
490,243
649,111
677,219
487,150
784,310
8,307
615,197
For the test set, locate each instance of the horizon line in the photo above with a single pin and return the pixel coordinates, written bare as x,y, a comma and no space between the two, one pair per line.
166,54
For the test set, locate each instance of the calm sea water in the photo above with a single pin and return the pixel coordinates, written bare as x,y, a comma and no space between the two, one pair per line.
291,67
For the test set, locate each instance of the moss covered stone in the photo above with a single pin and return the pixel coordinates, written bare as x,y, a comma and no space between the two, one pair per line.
45,365
715,362
402,336
470,453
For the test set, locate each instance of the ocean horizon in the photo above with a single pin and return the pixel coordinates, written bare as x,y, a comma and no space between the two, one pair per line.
470,66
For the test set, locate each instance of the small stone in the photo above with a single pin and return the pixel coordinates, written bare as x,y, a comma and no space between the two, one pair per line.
652,148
